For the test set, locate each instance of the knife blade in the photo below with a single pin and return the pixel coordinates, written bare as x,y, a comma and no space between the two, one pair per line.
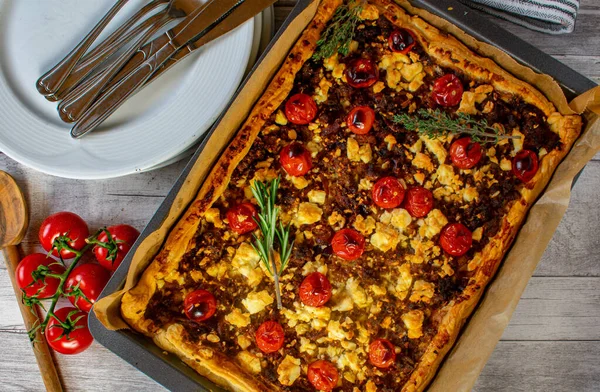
192,28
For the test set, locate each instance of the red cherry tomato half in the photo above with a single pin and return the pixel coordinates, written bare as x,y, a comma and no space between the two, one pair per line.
524,165
111,254
401,40
382,353
323,375
242,218
270,337
63,224
72,341
348,244
456,239
91,279
300,109
361,73
419,201
295,159
388,192
447,90
315,290
200,305
465,154
43,286
360,120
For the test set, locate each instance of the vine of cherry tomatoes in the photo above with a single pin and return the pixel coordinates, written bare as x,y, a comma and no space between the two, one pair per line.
65,237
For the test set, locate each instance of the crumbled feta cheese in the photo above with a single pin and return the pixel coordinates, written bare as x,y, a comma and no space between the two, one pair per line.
413,321
288,370
317,197
257,301
237,318
308,213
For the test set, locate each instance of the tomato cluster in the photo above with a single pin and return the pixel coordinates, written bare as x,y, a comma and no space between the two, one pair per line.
50,276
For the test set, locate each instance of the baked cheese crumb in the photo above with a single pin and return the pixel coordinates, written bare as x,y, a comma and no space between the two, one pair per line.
434,223
422,161
385,237
213,215
364,225
336,220
517,142
280,118
413,321
317,197
365,185
243,342
398,217
505,164
298,182
246,261
402,281
369,12
422,291
237,318
308,213
256,301
352,150
321,91
288,370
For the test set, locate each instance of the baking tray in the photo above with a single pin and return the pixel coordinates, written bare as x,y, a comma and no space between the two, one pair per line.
167,369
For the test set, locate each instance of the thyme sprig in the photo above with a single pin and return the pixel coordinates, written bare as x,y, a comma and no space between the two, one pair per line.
437,123
271,229
340,32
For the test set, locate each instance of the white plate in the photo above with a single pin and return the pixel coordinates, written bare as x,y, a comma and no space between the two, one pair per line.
155,125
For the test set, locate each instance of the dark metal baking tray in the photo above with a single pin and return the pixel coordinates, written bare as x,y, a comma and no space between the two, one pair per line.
169,370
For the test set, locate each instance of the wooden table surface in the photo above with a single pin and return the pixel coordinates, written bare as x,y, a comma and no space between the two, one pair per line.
551,344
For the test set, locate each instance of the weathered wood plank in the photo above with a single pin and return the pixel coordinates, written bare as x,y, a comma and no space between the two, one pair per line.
542,366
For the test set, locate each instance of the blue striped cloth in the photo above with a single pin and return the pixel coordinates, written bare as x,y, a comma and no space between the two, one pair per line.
548,16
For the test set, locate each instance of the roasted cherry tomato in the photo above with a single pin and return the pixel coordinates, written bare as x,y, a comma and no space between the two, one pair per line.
382,353
361,73
295,159
199,305
242,218
388,192
456,239
360,120
465,154
323,375
315,290
63,224
73,340
418,201
30,277
91,279
270,337
111,252
524,165
447,90
401,40
300,109
348,244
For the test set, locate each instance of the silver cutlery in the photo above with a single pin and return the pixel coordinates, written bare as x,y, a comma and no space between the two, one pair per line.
51,81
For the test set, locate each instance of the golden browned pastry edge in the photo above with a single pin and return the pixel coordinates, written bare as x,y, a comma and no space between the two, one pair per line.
446,50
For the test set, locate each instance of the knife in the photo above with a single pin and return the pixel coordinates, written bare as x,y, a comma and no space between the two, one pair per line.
214,20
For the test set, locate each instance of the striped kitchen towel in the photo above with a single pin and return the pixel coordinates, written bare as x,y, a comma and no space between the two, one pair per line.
548,16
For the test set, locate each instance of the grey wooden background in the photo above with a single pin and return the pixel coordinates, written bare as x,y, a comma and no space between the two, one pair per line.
551,344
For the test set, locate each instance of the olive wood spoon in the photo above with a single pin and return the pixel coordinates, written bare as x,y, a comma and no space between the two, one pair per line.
51,81
14,219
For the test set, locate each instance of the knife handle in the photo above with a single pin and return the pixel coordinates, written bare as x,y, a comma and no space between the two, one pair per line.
106,49
76,103
49,83
115,96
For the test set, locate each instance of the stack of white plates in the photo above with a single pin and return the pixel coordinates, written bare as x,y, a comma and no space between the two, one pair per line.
158,126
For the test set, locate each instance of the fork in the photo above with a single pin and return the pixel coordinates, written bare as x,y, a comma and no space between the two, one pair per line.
117,40
82,97
49,83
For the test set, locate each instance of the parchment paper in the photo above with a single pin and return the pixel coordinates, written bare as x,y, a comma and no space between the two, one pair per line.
480,335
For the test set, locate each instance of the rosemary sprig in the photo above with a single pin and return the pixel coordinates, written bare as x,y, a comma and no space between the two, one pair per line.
436,123
340,32
271,230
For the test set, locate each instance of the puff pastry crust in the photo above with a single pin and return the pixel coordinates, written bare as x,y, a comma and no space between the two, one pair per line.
420,357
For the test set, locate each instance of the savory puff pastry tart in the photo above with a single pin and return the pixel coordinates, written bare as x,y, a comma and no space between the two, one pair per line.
407,164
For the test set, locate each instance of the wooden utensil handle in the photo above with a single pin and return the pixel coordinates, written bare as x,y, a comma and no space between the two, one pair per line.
40,349
50,82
